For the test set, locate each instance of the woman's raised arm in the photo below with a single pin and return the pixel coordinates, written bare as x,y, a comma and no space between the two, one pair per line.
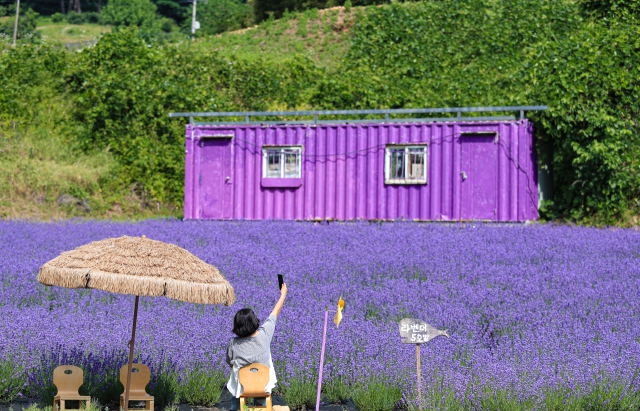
278,307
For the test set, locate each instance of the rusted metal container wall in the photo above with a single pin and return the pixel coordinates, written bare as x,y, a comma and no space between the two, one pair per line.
475,171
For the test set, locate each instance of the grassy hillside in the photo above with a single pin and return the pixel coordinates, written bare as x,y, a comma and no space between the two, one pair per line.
321,35
39,165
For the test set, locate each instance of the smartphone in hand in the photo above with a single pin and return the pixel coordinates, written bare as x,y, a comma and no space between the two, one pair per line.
280,280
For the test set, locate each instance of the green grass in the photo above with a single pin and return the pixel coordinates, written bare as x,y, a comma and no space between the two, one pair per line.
322,35
60,33
39,163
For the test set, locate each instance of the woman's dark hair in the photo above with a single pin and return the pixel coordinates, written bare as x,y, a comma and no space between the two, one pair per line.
245,323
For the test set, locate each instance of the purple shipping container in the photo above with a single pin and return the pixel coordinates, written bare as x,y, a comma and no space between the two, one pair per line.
413,171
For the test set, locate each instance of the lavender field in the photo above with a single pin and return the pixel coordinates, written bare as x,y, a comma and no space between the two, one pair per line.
540,317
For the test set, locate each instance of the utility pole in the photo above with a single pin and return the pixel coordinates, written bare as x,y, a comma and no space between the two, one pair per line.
15,27
193,22
195,25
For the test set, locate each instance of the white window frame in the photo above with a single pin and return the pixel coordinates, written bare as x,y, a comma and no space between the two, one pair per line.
408,149
283,150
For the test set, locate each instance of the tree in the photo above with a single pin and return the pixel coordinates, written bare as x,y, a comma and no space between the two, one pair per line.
128,13
75,6
217,16
26,25
173,10
622,9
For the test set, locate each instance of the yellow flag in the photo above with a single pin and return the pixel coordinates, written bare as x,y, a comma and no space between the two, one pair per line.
338,316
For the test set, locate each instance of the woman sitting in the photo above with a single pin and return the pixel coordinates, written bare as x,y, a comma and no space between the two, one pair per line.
252,345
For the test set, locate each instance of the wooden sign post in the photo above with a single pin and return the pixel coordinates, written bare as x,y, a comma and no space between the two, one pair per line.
417,332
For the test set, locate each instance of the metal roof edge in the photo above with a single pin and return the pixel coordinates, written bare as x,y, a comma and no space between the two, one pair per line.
494,119
458,110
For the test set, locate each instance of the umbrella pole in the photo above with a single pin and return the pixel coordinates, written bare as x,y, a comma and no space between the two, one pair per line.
131,343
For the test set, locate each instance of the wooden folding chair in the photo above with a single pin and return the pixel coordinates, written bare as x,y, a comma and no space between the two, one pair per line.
140,377
68,379
254,378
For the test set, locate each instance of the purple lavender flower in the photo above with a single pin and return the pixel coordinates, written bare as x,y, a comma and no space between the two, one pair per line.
529,309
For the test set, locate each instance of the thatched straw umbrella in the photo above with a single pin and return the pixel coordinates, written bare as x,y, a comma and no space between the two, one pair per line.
141,267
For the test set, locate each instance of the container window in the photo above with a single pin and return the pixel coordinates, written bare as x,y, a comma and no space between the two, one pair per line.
406,164
281,162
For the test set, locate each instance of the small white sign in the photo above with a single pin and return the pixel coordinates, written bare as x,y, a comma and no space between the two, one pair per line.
414,331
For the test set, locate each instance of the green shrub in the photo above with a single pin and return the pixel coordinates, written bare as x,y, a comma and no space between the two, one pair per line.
92,17
12,381
606,395
26,26
591,81
174,10
202,387
359,14
217,16
302,25
268,24
347,6
377,395
133,13
166,25
336,391
57,17
75,18
122,91
628,10
299,393
9,10
3,11
312,14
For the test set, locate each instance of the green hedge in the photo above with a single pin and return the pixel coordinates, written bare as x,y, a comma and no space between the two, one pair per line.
512,52
123,91
591,81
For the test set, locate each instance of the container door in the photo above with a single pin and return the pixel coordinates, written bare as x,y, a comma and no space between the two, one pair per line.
215,178
479,175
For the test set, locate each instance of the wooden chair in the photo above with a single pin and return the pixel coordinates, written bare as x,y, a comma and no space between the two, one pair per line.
140,377
68,379
254,378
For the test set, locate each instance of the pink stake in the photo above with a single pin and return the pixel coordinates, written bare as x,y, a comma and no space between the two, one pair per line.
324,339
